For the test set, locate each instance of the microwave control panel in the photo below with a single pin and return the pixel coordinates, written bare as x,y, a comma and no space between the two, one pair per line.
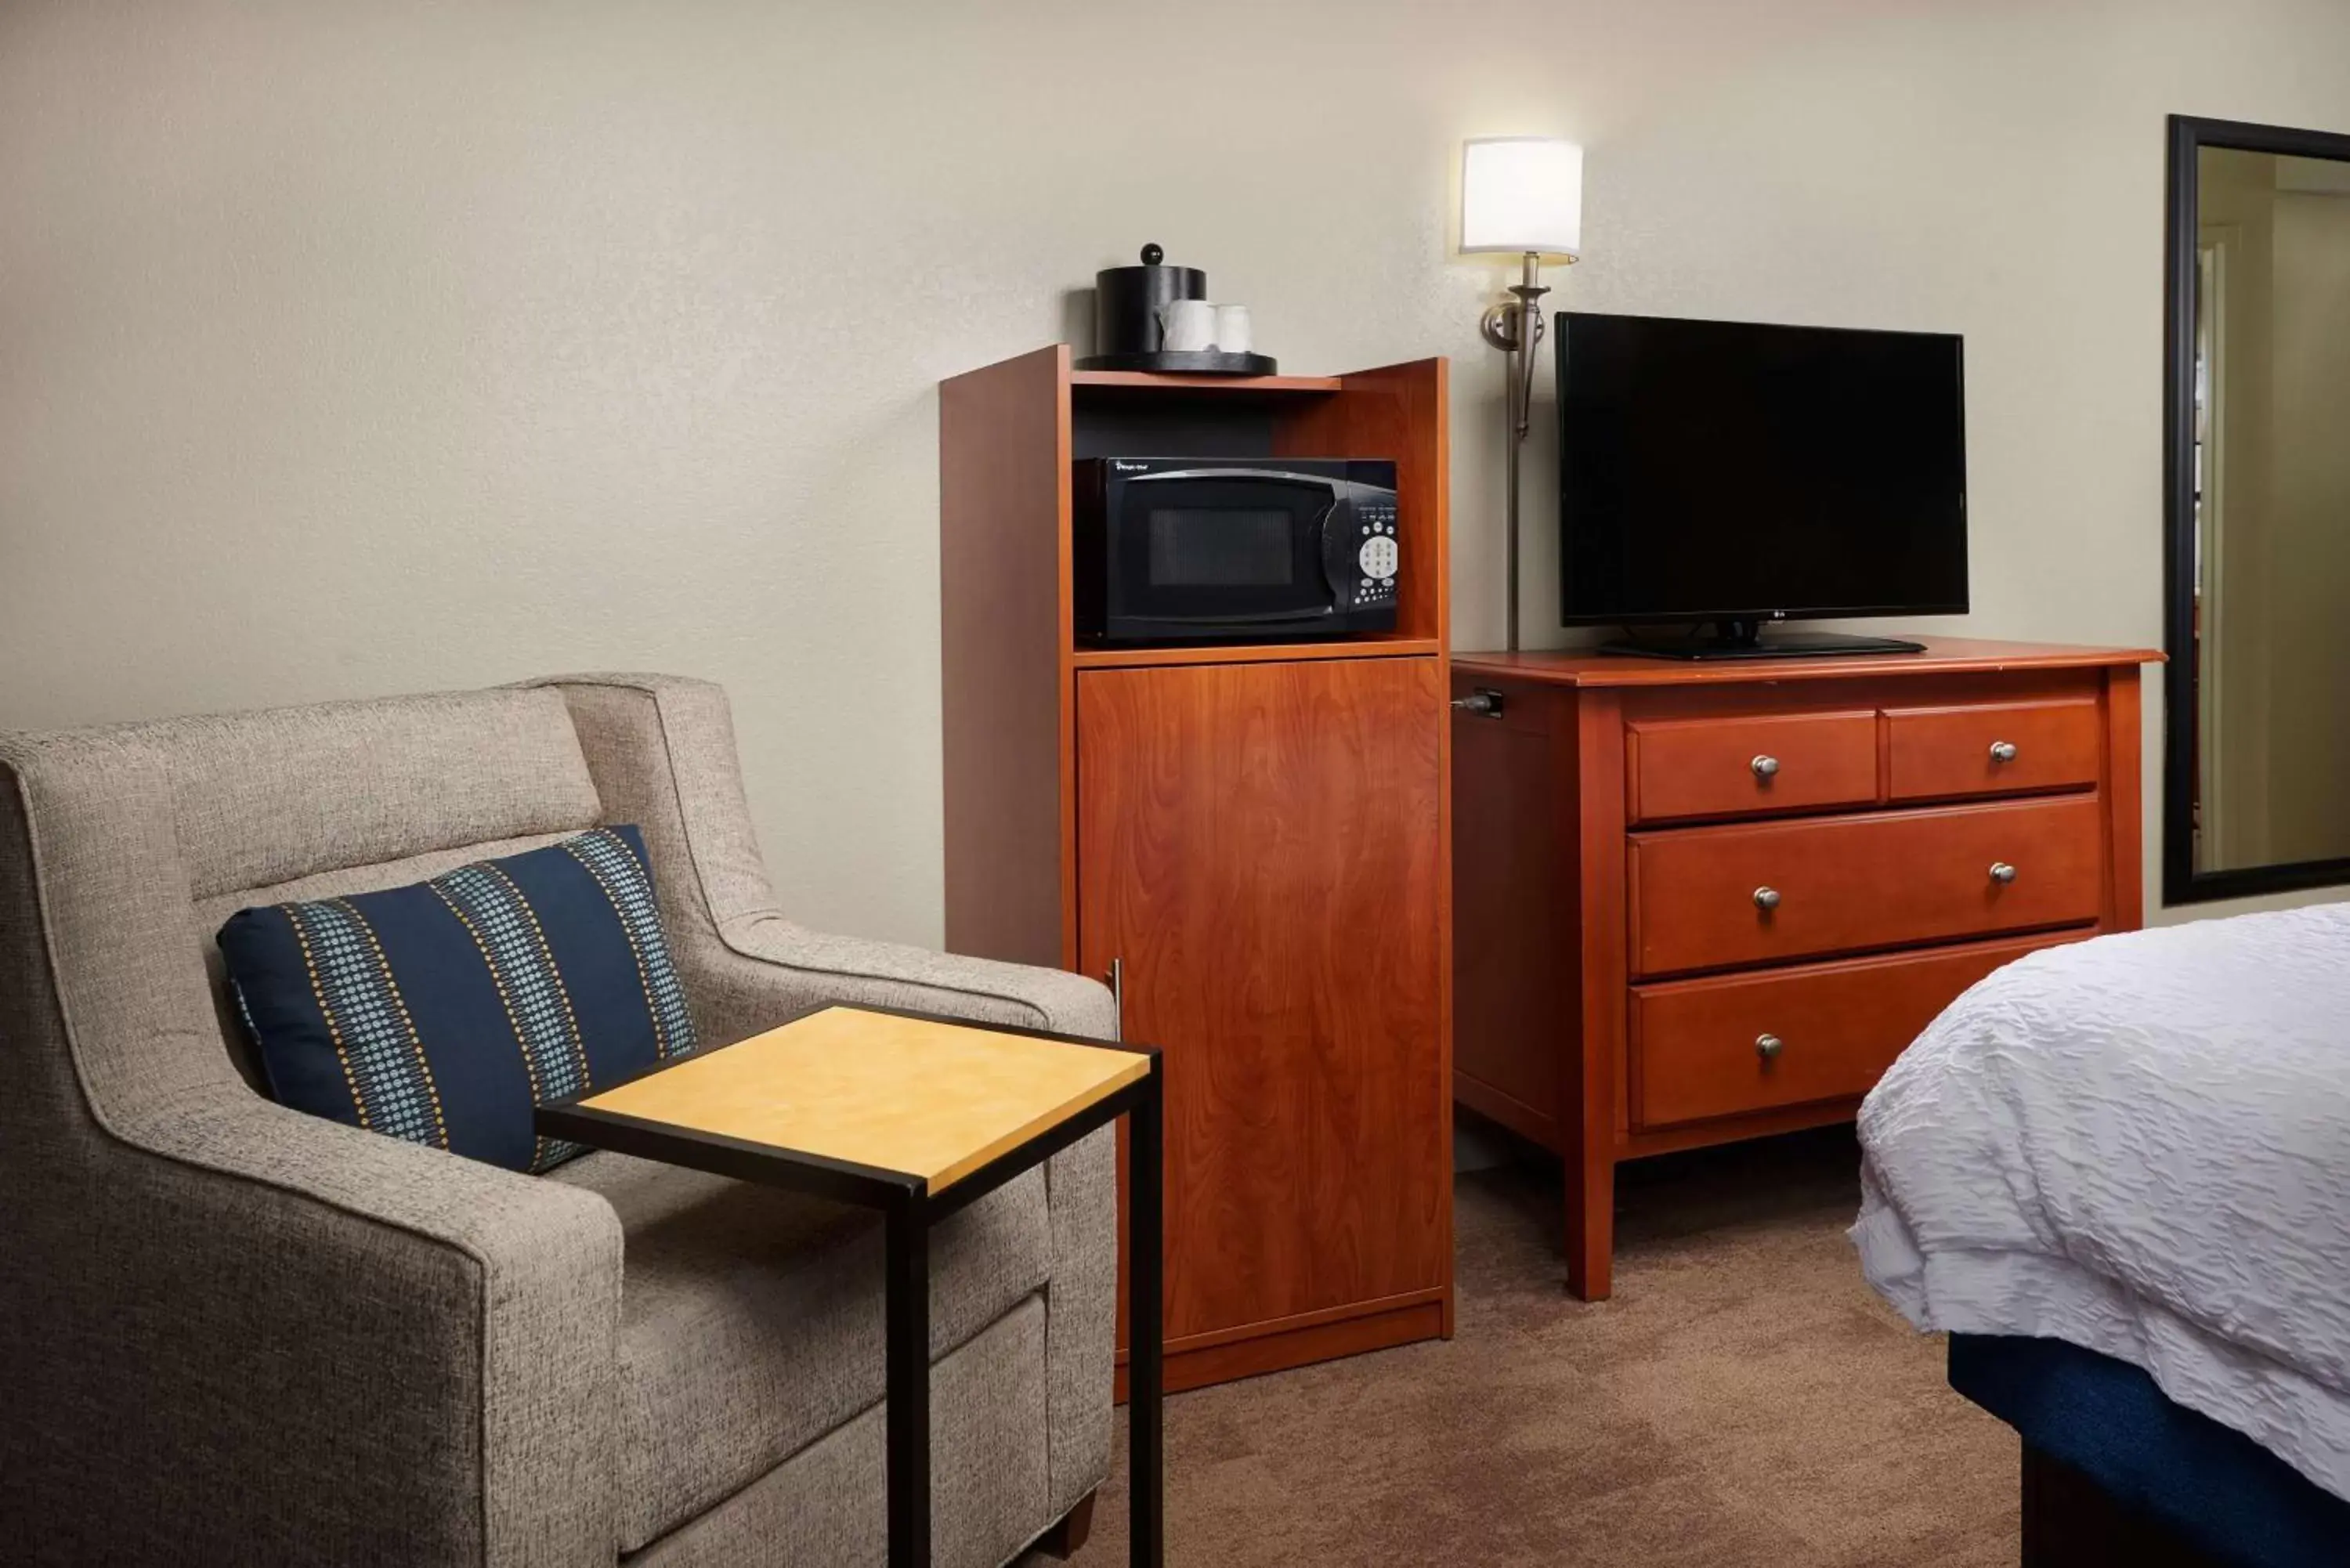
1377,552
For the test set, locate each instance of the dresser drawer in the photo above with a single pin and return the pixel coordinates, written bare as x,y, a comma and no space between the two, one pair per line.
1749,766
1708,898
1991,748
1720,1047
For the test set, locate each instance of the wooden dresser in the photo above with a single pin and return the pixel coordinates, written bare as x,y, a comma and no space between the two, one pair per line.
1250,839
1697,902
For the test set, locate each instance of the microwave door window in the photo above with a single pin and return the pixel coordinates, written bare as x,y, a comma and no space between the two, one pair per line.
1201,548
1209,551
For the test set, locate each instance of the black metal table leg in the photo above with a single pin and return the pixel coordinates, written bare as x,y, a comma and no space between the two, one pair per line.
907,1313
1147,1299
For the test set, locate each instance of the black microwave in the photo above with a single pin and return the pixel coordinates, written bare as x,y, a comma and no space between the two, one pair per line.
1233,550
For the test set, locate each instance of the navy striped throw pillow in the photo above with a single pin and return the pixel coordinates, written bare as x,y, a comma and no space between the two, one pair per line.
444,1012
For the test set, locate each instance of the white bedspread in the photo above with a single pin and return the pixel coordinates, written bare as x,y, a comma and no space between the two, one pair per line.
2141,1145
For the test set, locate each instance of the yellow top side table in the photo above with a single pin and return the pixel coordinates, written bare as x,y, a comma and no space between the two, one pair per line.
917,1117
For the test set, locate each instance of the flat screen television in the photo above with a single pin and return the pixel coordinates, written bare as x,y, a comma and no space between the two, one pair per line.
1717,476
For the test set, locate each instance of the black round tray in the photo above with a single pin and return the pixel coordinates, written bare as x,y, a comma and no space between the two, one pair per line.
1188,363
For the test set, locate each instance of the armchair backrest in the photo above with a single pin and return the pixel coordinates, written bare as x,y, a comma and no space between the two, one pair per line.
309,795
124,847
172,825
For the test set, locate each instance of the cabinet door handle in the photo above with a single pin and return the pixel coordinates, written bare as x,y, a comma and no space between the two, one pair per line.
2002,751
1766,899
1768,1046
2002,872
1117,980
1764,766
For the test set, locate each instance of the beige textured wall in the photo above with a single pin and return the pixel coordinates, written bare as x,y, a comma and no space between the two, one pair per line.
360,348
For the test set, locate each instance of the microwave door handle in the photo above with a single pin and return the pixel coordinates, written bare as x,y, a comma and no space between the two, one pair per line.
1335,544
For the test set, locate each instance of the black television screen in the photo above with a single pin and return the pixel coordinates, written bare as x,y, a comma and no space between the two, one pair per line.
1724,471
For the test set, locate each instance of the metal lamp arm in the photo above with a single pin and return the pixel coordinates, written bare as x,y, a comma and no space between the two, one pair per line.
1517,330
1530,316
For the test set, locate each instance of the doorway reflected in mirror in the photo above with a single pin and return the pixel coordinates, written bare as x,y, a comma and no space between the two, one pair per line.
2259,469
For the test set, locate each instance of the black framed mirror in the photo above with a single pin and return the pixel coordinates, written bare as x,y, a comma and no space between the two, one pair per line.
2256,765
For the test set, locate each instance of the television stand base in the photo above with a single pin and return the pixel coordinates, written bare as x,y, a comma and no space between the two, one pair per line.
1742,639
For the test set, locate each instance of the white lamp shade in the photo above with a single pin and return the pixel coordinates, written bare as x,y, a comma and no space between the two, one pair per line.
1521,193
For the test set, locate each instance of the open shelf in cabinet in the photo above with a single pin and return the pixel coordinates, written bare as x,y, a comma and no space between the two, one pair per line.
1395,412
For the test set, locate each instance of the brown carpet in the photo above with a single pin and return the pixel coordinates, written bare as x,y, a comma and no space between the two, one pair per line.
1743,1400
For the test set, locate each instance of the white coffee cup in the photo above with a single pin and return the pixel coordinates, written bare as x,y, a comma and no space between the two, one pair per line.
1187,325
1233,328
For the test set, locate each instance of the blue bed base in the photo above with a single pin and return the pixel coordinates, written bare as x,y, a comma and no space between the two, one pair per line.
2215,1488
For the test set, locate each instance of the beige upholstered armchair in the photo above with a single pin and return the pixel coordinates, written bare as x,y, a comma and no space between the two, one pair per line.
235,1332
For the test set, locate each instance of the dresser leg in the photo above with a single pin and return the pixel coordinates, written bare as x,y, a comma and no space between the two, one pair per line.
1590,1227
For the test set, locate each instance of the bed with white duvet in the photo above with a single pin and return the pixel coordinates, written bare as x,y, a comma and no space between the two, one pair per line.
2140,1145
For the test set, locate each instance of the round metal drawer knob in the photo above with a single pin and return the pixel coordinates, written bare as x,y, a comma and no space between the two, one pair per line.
1764,766
2002,872
1768,1046
2002,751
1768,897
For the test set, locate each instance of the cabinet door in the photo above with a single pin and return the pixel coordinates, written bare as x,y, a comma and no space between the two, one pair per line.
1259,844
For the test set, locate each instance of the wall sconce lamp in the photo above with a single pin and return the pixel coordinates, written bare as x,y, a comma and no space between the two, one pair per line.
1520,195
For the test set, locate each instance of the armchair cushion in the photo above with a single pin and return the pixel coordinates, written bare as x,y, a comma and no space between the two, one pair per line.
444,1012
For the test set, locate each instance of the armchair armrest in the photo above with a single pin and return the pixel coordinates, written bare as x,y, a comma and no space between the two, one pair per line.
344,1347
662,751
766,968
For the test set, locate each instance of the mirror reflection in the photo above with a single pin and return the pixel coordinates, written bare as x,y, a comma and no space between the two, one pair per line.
2270,466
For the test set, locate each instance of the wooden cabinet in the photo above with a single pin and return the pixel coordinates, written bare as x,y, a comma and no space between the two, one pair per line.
1247,836
1255,836
1701,902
